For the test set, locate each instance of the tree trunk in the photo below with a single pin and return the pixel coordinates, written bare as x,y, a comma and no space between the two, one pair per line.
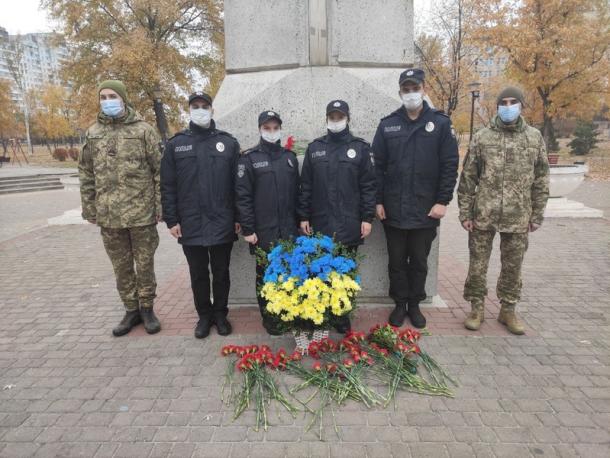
26,116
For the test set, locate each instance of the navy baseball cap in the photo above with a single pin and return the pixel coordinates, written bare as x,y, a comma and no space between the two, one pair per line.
338,105
416,75
267,116
200,95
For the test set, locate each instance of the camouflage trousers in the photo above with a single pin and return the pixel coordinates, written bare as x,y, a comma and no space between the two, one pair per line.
512,251
132,253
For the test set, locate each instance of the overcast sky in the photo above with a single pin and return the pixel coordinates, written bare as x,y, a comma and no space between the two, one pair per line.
25,16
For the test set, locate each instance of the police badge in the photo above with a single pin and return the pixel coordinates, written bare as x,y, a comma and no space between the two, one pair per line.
429,126
351,153
220,146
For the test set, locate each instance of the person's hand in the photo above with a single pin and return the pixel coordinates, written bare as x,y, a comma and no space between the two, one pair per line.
237,228
305,228
365,229
176,231
468,225
380,210
251,239
534,227
438,211
92,221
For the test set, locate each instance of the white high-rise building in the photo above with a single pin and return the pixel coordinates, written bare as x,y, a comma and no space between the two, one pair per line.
42,60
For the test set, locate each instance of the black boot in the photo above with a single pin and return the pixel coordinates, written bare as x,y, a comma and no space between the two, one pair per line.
151,322
270,327
398,315
129,321
343,325
223,326
417,318
202,330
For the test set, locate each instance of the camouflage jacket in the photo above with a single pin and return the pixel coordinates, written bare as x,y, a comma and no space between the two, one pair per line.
119,172
504,184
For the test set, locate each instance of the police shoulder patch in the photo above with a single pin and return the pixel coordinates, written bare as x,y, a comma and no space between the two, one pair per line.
241,170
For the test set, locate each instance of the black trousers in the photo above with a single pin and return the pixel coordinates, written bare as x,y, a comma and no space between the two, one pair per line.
260,273
408,251
218,257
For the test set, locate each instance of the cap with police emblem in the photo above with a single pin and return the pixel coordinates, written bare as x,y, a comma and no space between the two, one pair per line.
415,75
338,105
267,116
201,96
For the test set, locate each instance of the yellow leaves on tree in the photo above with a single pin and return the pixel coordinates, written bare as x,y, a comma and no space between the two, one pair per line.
50,119
10,127
175,46
558,50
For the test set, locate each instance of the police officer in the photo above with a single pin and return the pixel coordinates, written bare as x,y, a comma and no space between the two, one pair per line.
197,180
416,160
337,195
266,191
504,187
119,185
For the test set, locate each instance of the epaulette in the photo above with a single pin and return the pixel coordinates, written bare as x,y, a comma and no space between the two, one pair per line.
442,113
361,140
247,151
394,113
182,132
222,132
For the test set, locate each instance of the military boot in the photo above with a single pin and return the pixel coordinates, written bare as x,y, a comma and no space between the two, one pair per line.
343,325
417,318
398,315
130,320
223,326
475,317
151,323
202,330
508,318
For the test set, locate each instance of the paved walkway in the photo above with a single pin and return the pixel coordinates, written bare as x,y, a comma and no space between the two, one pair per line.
71,389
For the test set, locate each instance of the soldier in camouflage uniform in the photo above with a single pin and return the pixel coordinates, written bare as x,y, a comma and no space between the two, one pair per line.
503,188
119,175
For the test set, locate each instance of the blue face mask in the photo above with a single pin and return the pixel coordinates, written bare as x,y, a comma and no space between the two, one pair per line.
111,107
509,113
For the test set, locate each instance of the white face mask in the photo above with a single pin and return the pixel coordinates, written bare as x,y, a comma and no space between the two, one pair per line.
201,116
336,126
412,101
271,137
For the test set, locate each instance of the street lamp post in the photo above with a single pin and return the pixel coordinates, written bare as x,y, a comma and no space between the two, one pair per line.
474,90
160,114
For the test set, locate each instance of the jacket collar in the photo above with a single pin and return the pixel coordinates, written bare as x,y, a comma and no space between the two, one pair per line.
341,137
497,124
425,115
194,129
274,149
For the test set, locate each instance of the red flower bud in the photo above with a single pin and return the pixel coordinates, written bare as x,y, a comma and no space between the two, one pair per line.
347,362
317,366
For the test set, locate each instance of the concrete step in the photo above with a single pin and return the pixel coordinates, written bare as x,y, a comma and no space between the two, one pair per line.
46,187
29,182
13,179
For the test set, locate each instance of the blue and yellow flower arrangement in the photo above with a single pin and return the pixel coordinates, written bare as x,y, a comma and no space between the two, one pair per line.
309,282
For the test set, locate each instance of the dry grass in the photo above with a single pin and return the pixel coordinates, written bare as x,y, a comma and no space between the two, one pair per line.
42,157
